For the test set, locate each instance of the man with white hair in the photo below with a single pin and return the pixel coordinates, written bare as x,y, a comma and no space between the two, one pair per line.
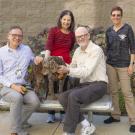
88,64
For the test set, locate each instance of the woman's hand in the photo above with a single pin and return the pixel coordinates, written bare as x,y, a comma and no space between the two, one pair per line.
38,59
130,69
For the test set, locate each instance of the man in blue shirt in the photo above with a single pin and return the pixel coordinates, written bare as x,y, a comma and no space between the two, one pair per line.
15,58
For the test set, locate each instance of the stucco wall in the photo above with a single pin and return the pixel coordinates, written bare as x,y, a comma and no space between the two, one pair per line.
34,15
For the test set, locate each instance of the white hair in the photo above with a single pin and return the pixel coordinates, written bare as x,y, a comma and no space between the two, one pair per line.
81,29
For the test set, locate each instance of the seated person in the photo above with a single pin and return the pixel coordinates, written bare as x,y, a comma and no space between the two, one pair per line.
88,64
15,58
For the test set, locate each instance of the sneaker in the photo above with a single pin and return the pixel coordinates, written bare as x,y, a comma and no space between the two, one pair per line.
20,133
51,118
26,125
62,117
110,120
132,128
88,130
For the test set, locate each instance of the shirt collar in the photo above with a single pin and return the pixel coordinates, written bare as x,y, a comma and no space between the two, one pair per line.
12,50
87,49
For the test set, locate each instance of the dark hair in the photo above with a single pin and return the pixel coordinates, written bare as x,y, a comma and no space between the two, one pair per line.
117,8
15,27
63,13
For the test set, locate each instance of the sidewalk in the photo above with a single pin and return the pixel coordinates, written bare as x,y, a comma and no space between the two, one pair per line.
41,128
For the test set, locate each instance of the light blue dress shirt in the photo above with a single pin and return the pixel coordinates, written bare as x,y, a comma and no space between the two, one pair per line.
12,61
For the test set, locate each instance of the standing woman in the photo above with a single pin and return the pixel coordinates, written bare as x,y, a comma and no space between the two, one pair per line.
120,57
60,42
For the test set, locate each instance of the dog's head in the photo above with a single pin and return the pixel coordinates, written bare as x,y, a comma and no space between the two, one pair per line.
51,65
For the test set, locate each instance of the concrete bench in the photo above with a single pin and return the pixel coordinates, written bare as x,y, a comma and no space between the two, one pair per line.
102,105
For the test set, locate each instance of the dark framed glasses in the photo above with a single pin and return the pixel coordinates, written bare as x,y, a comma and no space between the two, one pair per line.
116,15
16,35
81,36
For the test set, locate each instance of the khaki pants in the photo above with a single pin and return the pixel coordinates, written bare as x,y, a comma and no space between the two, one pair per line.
115,76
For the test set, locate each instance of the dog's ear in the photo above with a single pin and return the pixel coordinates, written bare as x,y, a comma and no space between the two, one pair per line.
53,65
45,71
45,67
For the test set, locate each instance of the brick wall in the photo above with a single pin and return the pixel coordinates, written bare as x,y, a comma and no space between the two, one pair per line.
35,15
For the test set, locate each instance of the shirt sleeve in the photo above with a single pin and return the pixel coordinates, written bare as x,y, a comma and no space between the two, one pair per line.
32,56
87,69
131,40
3,79
50,40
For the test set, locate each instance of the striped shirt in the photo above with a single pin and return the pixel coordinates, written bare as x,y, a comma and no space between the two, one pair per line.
60,44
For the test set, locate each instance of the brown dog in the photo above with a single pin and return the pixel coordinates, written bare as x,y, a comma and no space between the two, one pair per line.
44,75
50,67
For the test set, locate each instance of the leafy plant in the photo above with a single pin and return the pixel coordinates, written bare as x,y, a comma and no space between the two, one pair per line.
122,103
37,42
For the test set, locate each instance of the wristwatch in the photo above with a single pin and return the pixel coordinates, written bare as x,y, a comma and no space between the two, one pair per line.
131,63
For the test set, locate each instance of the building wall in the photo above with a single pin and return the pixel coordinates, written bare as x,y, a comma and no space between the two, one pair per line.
34,15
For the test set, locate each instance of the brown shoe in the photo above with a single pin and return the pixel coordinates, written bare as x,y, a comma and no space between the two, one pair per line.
14,134
21,133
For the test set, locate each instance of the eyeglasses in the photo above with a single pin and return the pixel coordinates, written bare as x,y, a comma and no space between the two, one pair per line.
116,15
16,35
81,36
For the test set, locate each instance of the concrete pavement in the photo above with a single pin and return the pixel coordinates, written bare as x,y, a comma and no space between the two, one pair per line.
40,127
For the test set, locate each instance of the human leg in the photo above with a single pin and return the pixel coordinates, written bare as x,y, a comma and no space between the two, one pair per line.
128,95
62,115
51,117
31,103
113,87
63,99
73,99
16,100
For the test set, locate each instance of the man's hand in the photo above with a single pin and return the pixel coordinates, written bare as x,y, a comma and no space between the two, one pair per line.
130,69
63,69
18,88
38,59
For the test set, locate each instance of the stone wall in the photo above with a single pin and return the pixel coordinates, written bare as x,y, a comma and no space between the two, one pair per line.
34,15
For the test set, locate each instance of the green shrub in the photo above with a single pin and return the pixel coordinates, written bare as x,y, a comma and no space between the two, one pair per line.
122,103
37,42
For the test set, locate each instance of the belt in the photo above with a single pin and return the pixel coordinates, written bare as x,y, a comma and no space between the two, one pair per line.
87,83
